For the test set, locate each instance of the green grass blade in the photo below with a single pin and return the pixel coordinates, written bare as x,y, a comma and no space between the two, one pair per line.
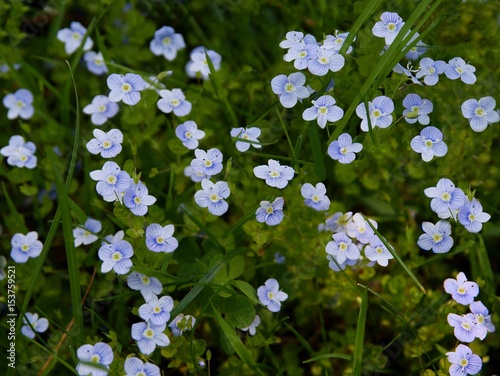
318,157
485,270
328,356
301,339
295,163
13,211
360,334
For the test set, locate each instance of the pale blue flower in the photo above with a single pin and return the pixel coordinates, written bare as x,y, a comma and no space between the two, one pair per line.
472,217
271,296
437,237
430,70
85,235
95,62
462,291
135,367
270,213
325,61
446,198
357,227
274,174
429,143
25,246
483,318
189,134
125,88
342,248
335,42
458,68
399,69
324,109
195,176
111,180
465,329
377,251
389,27
157,311
174,100
249,134
167,42
99,354
181,323
19,104
464,362
115,254
417,50
337,266
296,37
315,197
417,109
480,113
72,38
300,54
108,144
290,88
338,222
148,336
101,109
207,162
198,65
279,258
19,153
159,238
252,328
39,324
137,199
343,149
212,196
148,286
380,112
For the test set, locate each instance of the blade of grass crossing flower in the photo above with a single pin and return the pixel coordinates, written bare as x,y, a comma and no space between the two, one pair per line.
329,356
292,149
485,270
357,358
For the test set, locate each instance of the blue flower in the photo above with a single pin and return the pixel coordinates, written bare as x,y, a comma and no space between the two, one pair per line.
446,198
337,266
437,237
461,290
271,296
115,254
336,42
430,70
181,323
101,355
377,251
472,217
157,311
279,258
483,318
198,64
389,27
174,100
212,196
430,143
135,367
315,197
167,42
19,153
480,113
458,68
290,88
95,62
111,180
465,329
399,69
343,149
324,110
108,144
300,54
101,109
195,176
296,37
189,134
417,109
325,61
137,199
380,110
417,50
463,361
125,88
25,246
249,134
207,162
270,213
19,104
39,324
85,234
357,227
275,174
72,38
159,238
338,222
148,286
148,336
252,328
342,248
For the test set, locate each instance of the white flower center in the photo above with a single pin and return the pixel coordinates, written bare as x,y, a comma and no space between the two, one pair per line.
315,198
145,280
270,295
376,113
157,309
101,108
480,112
23,158
20,104
106,144
111,179
302,54
379,250
464,362
323,110
461,290
126,88
480,319
76,36
148,333
472,217
214,197
269,210
391,26
95,358
323,60
188,135
86,233
415,109
343,246
429,143
437,238
343,150
116,256
174,102
245,136
137,200
166,40
445,196
25,247
289,87
160,240
466,326
98,62
274,174
431,70
459,70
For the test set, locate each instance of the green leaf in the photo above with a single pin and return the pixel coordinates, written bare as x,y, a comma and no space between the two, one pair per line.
247,289
238,310
360,334
328,356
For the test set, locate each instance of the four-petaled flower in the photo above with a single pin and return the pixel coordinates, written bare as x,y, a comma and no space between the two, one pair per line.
19,104
437,237
389,27
25,246
207,162
248,134
275,174
95,62
315,197
342,248
167,42
324,109
271,296
483,318
472,217
343,149
137,199
457,67
465,328
380,110
463,361
159,238
148,336
93,358
146,285
212,196
86,235
417,109
157,311
300,54
198,65
125,88
290,88
461,290
480,113
108,144
189,134
115,254
430,70
72,37
270,213
136,367
111,180
101,109
377,251
446,198
324,61
39,324
174,100
429,143
19,153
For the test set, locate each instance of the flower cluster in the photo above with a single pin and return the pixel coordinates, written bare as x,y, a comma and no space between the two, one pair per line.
20,153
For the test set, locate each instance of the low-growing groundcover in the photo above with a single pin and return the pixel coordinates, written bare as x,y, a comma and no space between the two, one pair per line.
249,187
